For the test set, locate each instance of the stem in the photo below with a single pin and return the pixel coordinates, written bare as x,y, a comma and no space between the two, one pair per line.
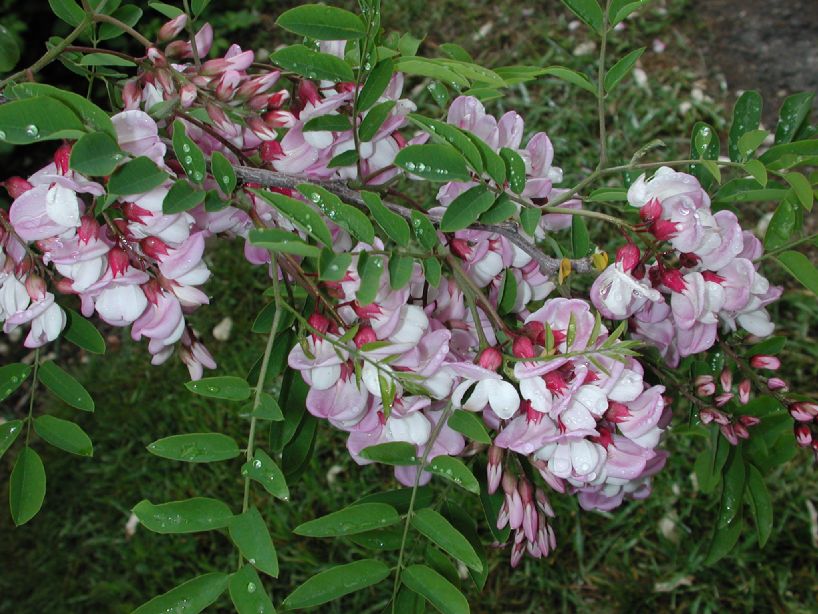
124,27
784,248
262,376
429,444
31,393
600,96
118,54
190,31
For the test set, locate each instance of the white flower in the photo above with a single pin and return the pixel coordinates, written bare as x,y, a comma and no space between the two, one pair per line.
62,206
121,305
497,393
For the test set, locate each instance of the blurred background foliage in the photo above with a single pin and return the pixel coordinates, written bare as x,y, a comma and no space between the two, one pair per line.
78,556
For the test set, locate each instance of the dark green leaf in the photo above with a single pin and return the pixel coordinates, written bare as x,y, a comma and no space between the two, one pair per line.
724,540
136,177
492,163
90,114
8,434
424,230
375,85
9,50
251,536
128,14
469,425
346,216
266,472
438,163
336,582
190,597
300,214
400,270
349,521
65,386
104,59
466,208
26,486
802,188
760,504
782,226
446,133
433,271
508,293
187,516
794,111
64,434
434,526
746,117
436,589
328,123
345,158
588,11
515,169
312,64
181,197
580,240
196,447
248,593
11,377
332,266
95,154
800,267
223,172
392,453
572,77
83,334
400,498
37,119
454,470
529,219
228,387
619,71
374,120
321,22
67,10
734,478
268,409
370,269
284,241
502,209
188,153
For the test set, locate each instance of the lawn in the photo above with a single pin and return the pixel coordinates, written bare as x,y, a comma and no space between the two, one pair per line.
77,557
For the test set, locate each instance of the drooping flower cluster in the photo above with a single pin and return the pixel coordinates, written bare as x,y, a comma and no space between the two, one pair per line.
701,272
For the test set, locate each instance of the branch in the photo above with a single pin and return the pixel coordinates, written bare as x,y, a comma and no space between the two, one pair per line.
510,230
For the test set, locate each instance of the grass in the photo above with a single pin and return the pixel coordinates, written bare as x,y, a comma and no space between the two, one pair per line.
75,557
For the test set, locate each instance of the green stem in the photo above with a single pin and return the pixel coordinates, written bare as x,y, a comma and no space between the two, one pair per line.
600,96
192,33
31,393
784,248
262,376
124,27
429,444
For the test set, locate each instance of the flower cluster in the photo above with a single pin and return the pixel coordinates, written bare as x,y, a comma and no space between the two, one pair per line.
700,271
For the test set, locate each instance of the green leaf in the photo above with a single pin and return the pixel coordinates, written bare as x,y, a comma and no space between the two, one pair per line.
580,240
370,269
704,145
336,582
67,10
195,447
794,111
95,154
188,153
64,386
327,23
800,267
456,52
171,12
332,266
746,117
392,224
437,163
711,167
8,434
248,593
469,425
515,169
572,77
90,114
186,516
374,120
434,526
9,50
11,378
427,67
312,64
190,597
454,470
508,293
446,133
83,334
400,498
502,209
588,11
441,593
710,462
284,241
400,270
424,230
757,170
733,490
64,434
104,59
128,14
760,503
802,189
26,486
620,9
23,122
346,216
492,163
299,450
251,536
750,141
350,520
223,172
345,158
529,219
433,271
782,226
376,84
466,208
724,540
266,472
300,214
136,177
227,387
619,71
392,453
197,6
268,409
328,123
181,197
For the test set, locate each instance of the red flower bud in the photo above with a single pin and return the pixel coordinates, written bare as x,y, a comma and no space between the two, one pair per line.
803,434
663,229
271,150
89,229
673,279
365,335
154,247
319,322
628,256
651,211
764,361
62,157
523,348
460,248
118,261
726,380
490,359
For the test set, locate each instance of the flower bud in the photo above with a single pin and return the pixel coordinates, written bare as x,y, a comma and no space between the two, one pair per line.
617,412
62,158
307,92
490,359
89,229
673,279
16,186
460,248
651,211
803,434
364,336
726,380
744,392
154,247
279,119
688,261
663,230
707,389
319,322
765,361
118,261
748,420
171,29
776,383
277,99
523,348
187,95
804,411
131,94
628,256
35,286
271,151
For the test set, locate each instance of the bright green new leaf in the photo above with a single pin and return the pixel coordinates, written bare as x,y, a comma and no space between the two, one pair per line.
332,266
588,11
802,189
580,239
95,154
83,334
284,241
757,170
374,120
400,270
188,153
801,268
572,77
620,70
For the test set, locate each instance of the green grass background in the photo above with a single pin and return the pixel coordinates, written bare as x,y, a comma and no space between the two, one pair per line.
75,555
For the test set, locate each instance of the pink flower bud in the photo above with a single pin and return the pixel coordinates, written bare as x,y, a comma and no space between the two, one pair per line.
749,421
35,286
704,379
628,256
765,361
673,279
279,119
726,380
171,29
187,95
307,92
663,229
776,384
523,348
62,158
131,94
803,434
118,261
277,99
706,390
804,411
490,359
651,211
319,322
271,151
154,247
741,431
364,336
744,392
729,433
261,130
16,186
